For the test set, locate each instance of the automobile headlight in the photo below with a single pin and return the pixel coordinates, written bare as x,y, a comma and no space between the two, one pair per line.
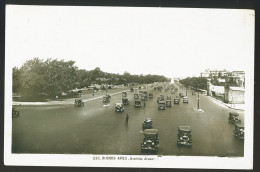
153,143
144,142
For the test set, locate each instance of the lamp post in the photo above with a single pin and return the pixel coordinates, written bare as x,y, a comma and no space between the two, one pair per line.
198,98
186,90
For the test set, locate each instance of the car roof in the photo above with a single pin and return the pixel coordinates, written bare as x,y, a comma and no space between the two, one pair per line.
184,128
185,97
150,131
161,101
118,104
168,100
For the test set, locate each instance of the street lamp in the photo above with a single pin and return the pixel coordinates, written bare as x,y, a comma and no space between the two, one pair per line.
198,98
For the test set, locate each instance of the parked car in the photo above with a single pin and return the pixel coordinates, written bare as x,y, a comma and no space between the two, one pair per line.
136,96
150,95
148,123
137,104
185,99
124,94
119,107
78,103
239,131
125,101
132,89
150,141
168,103
233,118
15,113
161,105
184,137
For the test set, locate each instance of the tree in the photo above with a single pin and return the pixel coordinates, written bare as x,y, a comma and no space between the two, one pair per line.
16,80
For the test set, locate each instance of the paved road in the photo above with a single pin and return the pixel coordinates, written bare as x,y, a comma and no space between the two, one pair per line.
98,129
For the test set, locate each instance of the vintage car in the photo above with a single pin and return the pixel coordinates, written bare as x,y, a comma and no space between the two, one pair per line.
185,99
137,104
168,103
124,94
151,140
184,136
148,123
119,107
172,92
15,113
150,95
162,97
233,118
125,101
176,101
143,97
181,95
78,103
106,98
239,131
132,89
161,105
136,96
168,98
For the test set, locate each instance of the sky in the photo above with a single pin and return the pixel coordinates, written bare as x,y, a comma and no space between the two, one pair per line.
174,42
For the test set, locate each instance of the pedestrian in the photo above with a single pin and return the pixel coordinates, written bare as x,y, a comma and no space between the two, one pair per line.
144,104
126,119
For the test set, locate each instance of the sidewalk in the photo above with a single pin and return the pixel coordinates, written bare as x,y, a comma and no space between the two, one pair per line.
231,106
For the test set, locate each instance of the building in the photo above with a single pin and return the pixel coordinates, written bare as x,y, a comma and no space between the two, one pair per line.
234,95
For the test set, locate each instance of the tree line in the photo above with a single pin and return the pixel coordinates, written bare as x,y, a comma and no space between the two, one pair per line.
53,77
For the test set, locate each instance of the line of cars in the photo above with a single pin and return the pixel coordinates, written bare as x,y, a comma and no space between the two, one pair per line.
239,131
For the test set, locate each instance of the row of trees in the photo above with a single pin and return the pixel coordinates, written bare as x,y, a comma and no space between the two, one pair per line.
196,82
53,77
201,82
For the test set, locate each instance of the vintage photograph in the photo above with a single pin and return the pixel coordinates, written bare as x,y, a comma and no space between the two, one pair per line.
141,86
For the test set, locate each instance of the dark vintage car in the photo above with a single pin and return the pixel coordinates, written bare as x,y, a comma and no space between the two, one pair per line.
137,104
136,96
119,107
185,99
233,118
161,105
148,123
150,141
150,95
239,131
124,94
168,98
143,97
125,101
78,103
184,136
106,98
15,113
181,95
168,103
176,101
162,97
